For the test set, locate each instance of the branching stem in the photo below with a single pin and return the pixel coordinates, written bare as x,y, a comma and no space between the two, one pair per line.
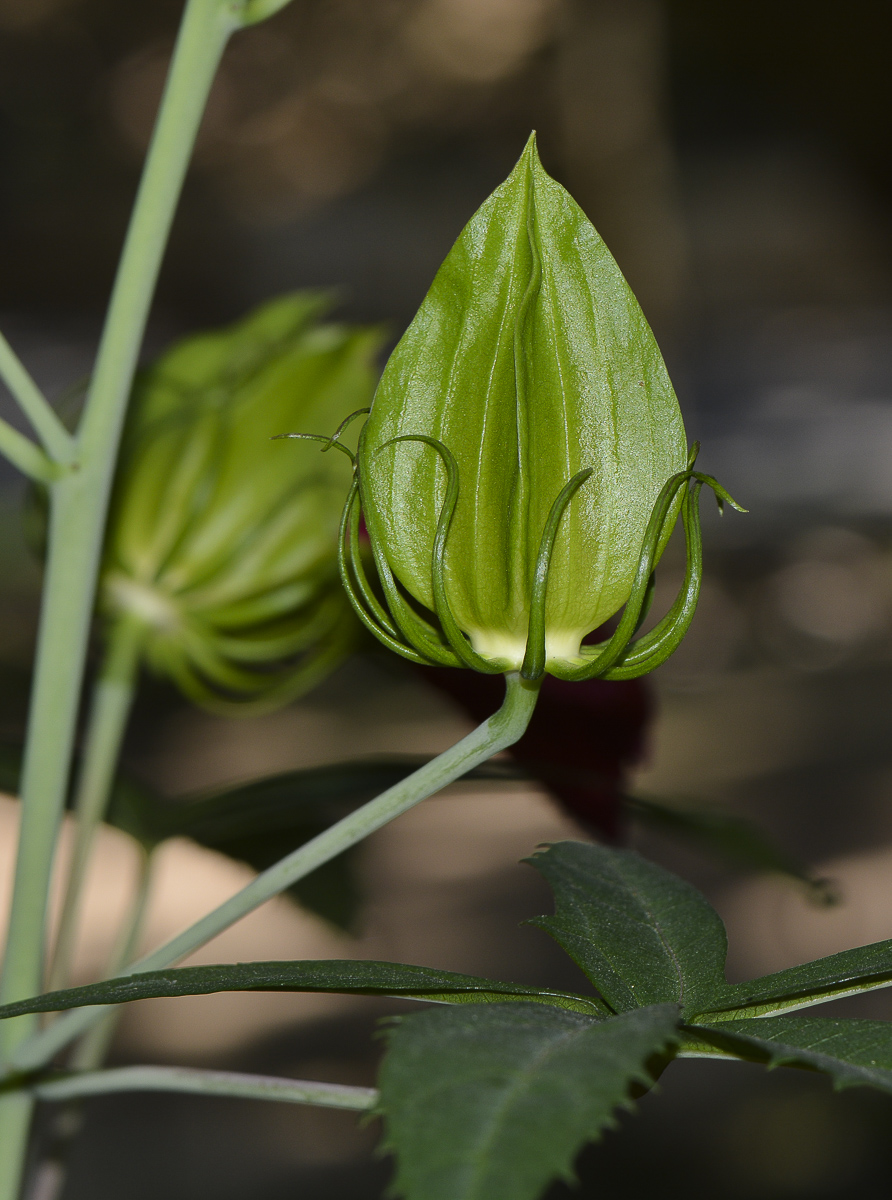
495,734
79,502
25,455
54,437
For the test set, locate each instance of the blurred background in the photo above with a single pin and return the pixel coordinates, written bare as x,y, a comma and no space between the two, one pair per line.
736,158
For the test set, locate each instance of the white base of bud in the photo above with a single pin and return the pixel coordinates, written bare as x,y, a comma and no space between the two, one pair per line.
504,648
140,600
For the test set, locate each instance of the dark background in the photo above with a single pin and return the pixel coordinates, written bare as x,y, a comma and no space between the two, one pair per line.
737,160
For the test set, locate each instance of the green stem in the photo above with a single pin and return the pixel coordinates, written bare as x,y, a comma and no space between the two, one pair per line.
79,502
112,701
54,437
495,734
207,1083
49,1178
25,455
91,1050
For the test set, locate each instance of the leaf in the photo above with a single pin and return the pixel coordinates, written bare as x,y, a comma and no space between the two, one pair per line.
493,1103
864,969
852,1051
733,837
642,935
261,821
359,977
10,768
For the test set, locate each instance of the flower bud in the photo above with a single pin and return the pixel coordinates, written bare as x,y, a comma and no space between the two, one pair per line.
525,457
220,540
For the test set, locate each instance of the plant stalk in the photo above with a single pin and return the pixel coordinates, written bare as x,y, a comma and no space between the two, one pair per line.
501,730
79,502
26,455
207,1083
48,1179
54,437
110,710
91,1050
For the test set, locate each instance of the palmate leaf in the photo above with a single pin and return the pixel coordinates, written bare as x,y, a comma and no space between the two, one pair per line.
366,978
493,1103
491,1094
864,969
642,935
852,1051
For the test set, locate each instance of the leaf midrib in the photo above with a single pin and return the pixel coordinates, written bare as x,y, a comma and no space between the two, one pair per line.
522,1078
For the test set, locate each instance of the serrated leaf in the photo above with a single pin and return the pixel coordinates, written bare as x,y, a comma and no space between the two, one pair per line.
852,1051
864,969
359,977
642,935
493,1103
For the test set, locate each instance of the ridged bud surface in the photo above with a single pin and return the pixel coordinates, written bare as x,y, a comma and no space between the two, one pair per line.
222,541
530,360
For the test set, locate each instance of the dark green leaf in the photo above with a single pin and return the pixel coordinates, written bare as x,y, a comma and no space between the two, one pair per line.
493,1103
641,934
335,975
294,801
863,969
10,768
735,838
261,821
853,1052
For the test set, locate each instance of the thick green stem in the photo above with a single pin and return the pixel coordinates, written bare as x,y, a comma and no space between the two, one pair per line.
112,701
500,731
79,501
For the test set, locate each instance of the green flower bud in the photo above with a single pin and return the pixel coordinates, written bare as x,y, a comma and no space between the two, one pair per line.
525,458
221,541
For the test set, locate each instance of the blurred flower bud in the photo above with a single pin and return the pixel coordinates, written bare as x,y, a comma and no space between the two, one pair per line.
525,459
221,541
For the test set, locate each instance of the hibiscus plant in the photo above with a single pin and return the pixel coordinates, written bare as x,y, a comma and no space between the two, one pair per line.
507,489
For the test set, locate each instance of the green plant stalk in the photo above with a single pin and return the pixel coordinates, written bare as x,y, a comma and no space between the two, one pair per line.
207,1083
110,710
25,455
91,1050
501,730
79,502
54,437
48,1180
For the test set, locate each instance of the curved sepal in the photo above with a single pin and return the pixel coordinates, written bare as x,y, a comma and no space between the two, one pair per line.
602,657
